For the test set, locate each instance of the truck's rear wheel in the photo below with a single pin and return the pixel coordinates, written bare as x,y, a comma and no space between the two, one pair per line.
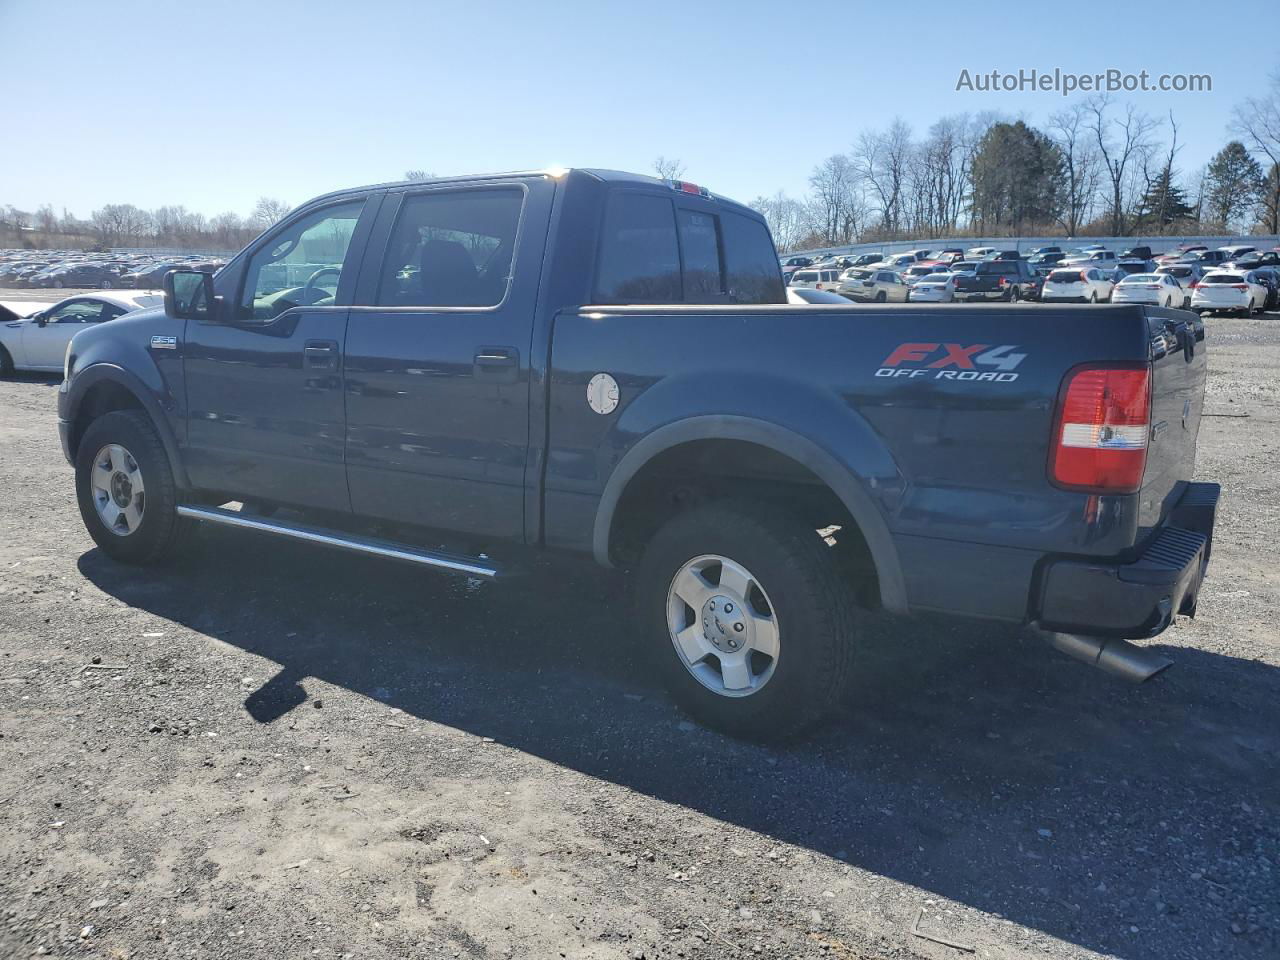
747,618
126,489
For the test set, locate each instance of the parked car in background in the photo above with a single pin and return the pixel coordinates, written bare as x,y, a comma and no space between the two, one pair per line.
39,342
1212,258
879,286
919,271
1007,255
102,276
979,253
825,279
1076,285
1103,259
1011,280
865,259
1127,267
933,288
1270,278
1225,292
1042,263
1157,289
799,296
1237,251
792,264
1136,253
1187,275
149,276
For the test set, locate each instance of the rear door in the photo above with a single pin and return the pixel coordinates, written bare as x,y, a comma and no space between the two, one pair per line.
438,356
265,414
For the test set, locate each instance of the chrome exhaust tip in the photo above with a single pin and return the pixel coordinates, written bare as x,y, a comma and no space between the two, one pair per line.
1120,658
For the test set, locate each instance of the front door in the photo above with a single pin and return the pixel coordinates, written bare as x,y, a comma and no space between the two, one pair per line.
44,346
265,417
438,357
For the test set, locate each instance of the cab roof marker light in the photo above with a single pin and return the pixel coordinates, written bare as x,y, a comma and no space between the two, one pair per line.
684,186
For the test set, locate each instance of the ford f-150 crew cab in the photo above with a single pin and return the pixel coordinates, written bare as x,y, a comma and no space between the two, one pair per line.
598,363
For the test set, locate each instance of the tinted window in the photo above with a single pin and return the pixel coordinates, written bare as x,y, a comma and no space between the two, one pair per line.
452,248
700,247
300,265
1222,278
750,275
639,256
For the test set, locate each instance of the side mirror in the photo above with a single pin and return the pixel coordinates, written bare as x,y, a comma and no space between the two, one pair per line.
41,319
188,295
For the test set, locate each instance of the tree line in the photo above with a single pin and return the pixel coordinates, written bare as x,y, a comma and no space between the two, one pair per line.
125,225
1099,167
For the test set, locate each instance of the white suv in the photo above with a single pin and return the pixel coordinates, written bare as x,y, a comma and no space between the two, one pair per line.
881,286
1081,284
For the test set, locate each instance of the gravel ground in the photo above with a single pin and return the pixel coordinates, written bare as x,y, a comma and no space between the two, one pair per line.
268,751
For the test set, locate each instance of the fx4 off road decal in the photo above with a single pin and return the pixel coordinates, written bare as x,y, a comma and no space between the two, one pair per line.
953,361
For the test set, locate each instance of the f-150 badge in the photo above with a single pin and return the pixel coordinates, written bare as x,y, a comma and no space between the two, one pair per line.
953,361
164,343
602,394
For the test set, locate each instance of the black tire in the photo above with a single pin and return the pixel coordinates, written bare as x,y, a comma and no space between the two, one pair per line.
1014,295
105,285
814,609
1093,297
161,531
881,297
6,364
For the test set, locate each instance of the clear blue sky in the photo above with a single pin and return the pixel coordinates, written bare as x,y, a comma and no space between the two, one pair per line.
213,103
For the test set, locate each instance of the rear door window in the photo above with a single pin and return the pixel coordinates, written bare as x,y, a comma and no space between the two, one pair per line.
639,252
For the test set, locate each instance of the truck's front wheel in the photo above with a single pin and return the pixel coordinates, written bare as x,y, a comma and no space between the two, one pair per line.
126,489
746,615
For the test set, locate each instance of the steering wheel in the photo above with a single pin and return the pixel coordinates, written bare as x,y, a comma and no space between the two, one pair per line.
311,293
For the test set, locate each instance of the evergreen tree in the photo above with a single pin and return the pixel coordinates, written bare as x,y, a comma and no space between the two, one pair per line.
1165,202
1017,178
1234,182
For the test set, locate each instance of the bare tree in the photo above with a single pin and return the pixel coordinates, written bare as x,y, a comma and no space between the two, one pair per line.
786,219
1122,156
120,223
839,205
881,160
268,211
668,169
1081,166
1258,121
418,175
46,219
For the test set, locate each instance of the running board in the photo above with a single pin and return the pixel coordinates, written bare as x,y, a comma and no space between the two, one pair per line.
467,566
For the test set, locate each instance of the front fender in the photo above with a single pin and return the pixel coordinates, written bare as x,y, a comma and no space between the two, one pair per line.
121,352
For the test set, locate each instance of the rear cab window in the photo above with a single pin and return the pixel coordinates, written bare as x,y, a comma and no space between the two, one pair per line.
657,249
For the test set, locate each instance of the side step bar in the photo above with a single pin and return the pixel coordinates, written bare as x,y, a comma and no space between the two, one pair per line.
467,566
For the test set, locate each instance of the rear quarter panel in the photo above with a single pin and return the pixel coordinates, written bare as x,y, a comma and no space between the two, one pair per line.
944,417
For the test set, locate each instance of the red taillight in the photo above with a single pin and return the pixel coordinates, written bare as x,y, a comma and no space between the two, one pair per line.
1240,286
1153,286
1101,431
1083,278
1002,281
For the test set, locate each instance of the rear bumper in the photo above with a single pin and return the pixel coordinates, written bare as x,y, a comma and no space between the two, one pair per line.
1138,599
980,295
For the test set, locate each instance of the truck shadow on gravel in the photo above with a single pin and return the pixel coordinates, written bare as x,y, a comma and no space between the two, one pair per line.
969,763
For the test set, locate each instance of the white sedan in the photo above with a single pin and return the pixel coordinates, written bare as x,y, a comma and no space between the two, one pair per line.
934,288
1076,285
1239,293
39,341
1157,289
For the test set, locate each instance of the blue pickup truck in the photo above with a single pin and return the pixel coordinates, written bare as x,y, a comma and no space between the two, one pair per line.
591,362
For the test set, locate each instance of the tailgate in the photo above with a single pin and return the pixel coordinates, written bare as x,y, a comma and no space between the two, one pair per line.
1179,361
